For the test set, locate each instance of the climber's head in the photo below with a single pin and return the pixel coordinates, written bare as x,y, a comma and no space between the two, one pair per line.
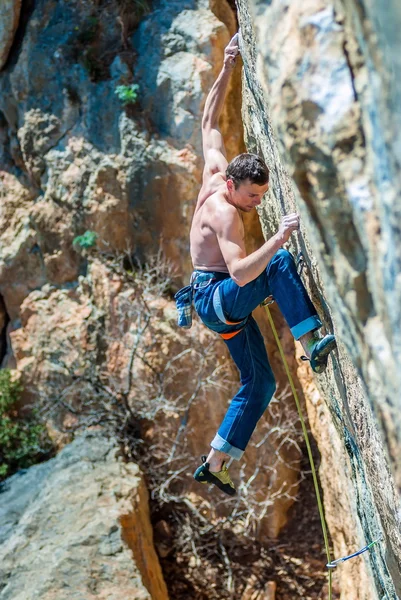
247,181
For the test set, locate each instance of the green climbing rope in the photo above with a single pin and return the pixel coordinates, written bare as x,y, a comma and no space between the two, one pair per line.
306,436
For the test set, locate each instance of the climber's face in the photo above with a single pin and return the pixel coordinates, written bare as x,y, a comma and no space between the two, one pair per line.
247,195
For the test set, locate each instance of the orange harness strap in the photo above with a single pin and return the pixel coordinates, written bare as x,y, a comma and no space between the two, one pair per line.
228,336
220,313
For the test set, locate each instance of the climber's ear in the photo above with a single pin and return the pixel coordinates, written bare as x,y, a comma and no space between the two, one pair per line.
230,185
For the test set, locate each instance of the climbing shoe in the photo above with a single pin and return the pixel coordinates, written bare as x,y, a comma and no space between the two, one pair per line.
220,478
320,353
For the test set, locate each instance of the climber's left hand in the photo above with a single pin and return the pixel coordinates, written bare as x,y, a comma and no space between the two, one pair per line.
231,52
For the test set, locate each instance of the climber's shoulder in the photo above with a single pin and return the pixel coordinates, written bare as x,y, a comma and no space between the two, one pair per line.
211,186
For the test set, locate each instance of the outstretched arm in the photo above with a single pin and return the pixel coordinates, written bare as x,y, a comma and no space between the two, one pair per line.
213,145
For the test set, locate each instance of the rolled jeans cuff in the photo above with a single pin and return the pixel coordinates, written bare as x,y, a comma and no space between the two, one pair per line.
305,326
220,444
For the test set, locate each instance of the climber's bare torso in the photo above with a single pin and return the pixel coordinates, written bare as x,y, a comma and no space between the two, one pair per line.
212,206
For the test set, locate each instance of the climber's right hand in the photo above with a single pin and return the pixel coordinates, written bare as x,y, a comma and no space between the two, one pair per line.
289,223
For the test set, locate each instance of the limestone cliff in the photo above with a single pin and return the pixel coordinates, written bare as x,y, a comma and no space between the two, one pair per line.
10,18
319,88
75,158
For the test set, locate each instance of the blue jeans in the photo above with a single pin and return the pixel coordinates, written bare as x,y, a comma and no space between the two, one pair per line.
226,308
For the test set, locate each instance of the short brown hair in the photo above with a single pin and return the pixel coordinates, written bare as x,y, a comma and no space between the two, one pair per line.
247,166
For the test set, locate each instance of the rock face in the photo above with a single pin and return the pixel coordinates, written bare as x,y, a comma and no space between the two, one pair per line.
8,25
318,103
71,527
75,159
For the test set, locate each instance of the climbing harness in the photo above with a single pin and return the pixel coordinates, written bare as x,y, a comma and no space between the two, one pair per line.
184,300
217,305
334,563
330,564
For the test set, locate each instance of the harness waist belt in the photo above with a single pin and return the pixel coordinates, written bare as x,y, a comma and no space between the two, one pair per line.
199,276
220,314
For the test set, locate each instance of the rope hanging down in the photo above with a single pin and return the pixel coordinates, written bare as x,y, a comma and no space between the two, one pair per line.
306,436
330,564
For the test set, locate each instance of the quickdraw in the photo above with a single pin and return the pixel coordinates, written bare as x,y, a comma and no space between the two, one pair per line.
334,563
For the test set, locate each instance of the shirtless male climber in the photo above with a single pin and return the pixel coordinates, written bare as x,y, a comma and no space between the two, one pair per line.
228,285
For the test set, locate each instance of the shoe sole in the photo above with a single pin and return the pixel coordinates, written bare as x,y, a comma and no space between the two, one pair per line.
208,477
321,362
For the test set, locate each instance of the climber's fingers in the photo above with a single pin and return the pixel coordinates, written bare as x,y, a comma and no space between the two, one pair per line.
233,43
231,51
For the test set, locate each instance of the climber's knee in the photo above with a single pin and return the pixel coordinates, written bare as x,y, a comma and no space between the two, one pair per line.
282,256
281,261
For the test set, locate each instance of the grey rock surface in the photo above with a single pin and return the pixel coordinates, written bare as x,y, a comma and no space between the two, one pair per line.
70,528
10,10
313,85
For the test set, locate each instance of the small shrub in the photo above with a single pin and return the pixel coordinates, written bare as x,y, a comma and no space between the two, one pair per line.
127,93
87,240
23,441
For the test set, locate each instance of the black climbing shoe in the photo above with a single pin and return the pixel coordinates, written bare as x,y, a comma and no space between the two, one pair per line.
320,353
221,478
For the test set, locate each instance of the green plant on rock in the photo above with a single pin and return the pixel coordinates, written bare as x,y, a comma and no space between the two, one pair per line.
23,441
87,240
128,94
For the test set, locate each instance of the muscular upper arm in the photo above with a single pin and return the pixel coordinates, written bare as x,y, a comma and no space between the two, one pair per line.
229,231
214,151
